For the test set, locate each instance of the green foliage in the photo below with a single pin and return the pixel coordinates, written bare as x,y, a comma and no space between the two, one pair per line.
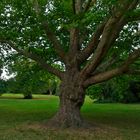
3,86
30,78
94,92
23,23
20,22
116,90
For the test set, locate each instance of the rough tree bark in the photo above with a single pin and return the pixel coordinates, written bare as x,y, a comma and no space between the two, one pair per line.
71,101
72,95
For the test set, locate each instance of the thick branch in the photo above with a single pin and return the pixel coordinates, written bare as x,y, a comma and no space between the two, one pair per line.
123,69
105,65
51,35
56,44
36,7
74,41
36,58
88,5
110,34
96,36
78,6
132,57
92,43
102,77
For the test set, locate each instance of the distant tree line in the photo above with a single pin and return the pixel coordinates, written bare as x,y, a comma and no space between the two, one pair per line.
121,89
29,79
26,88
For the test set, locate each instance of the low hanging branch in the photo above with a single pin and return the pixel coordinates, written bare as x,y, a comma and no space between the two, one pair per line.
123,69
36,58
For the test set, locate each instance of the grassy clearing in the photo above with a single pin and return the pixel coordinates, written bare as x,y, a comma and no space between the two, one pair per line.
25,120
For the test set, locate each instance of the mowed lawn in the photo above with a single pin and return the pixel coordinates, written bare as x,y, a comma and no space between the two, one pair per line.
22,119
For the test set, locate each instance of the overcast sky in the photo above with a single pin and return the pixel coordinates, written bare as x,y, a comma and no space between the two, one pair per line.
5,75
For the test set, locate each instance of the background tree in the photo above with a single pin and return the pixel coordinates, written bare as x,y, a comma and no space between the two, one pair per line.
3,86
84,36
119,89
1,66
123,89
30,79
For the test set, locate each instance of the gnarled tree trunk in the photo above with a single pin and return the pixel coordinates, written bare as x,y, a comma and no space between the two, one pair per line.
71,100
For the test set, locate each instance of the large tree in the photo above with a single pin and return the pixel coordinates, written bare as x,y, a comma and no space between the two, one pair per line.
89,38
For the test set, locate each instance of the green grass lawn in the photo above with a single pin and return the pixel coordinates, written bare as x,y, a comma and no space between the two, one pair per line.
22,119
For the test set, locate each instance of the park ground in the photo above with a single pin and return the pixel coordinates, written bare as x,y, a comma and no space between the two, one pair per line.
22,119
